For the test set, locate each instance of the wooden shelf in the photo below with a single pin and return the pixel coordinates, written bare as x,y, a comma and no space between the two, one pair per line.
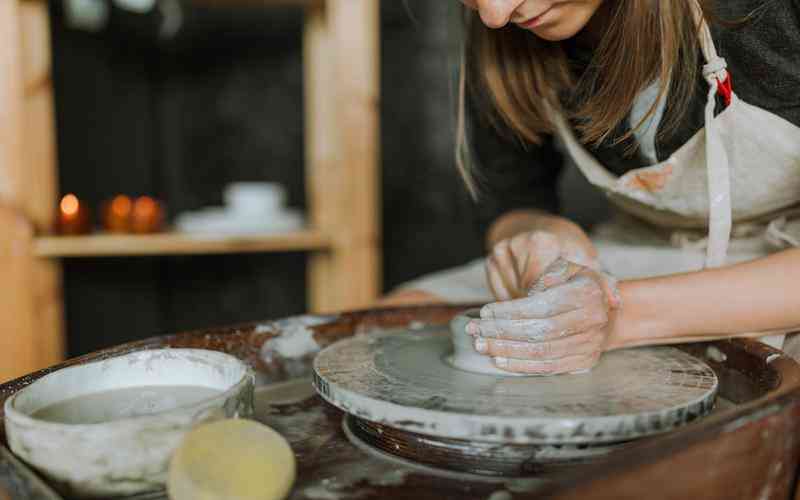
341,84
112,245
258,3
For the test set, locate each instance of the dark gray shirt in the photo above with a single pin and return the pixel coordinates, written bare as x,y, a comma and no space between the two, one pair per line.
763,56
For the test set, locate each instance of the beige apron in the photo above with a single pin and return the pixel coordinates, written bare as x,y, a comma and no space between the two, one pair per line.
741,170
738,174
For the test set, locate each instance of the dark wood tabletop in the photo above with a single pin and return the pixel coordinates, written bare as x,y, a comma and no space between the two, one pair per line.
750,450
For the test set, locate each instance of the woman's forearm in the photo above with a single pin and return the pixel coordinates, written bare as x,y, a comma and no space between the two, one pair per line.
752,297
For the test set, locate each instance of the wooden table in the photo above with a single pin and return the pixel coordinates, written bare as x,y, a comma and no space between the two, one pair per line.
748,451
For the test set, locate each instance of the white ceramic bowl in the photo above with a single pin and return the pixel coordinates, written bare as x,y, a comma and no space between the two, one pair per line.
128,455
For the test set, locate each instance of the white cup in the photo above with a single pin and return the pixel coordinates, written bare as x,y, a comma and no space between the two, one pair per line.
254,197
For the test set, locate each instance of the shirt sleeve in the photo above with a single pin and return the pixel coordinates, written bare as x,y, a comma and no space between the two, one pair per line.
510,175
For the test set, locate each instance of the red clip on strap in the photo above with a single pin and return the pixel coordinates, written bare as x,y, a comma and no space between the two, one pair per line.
725,89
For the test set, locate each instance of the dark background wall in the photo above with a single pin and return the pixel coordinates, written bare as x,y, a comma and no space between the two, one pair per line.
222,101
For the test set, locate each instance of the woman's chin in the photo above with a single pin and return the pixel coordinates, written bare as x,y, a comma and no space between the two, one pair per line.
555,32
564,22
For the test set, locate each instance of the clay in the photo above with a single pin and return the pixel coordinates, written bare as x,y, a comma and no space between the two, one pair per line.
465,357
130,402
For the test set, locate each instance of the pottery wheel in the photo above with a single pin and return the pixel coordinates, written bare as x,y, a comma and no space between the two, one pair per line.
401,379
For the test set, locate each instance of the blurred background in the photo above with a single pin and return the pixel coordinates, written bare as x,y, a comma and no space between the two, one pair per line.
220,99
156,106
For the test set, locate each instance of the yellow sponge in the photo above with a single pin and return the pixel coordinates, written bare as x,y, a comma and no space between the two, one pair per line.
231,460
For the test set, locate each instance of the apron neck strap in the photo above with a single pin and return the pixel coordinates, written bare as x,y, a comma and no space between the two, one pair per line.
717,165
715,69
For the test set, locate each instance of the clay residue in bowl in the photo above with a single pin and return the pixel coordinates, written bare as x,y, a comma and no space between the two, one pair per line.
129,402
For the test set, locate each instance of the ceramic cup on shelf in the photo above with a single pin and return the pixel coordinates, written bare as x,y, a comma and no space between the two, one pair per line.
254,197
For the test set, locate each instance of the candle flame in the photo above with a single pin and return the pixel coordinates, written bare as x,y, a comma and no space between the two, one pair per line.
70,204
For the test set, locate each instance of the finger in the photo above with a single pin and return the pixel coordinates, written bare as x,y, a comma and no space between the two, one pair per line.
557,273
541,330
579,254
561,271
570,364
496,283
534,252
507,269
523,256
590,342
575,294
611,290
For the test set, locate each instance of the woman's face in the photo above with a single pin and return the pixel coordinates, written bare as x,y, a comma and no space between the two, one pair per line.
553,20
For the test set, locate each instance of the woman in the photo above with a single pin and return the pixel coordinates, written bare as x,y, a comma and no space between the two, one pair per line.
634,93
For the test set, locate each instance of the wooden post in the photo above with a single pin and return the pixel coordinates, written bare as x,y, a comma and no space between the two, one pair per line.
30,305
41,183
342,141
356,27
11,93
19,353
320,153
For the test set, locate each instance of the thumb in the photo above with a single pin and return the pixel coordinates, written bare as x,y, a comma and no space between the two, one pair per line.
557,273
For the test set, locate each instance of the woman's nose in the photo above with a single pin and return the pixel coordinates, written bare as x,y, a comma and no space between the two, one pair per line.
497,13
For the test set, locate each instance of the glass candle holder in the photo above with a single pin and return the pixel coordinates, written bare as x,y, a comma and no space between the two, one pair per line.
147,215
73,216
117,214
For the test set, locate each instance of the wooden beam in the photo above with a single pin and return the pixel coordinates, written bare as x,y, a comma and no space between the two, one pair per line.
11,92
343,137
34,44
320,151
19,347
356,26
40,197
19,350
32,304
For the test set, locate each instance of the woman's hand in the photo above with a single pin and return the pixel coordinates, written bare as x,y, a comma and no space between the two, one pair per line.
516,263
563,326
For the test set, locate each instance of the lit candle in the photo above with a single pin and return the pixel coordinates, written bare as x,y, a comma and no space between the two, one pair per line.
147,216
73,216
117,214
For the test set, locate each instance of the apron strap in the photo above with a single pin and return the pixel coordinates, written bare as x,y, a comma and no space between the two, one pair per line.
715,68
717,164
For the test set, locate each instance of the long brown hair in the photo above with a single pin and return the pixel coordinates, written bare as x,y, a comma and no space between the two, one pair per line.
520,77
